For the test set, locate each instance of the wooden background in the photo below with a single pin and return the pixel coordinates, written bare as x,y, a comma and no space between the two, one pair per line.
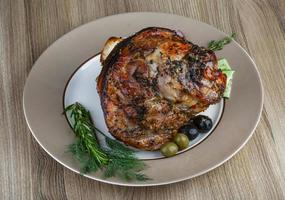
28,27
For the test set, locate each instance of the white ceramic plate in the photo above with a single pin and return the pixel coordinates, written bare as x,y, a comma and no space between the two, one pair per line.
46,83
82,88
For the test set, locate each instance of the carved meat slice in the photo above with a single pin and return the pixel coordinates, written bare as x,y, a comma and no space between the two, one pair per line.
153,82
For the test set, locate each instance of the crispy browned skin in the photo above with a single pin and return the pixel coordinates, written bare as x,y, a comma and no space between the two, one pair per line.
153,82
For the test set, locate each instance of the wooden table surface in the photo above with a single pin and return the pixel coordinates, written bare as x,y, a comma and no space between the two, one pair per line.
28,27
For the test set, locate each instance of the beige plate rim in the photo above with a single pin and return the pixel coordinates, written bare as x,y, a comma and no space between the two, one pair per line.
28,88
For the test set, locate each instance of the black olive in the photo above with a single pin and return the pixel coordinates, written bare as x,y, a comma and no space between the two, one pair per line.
190,130
203,123
191,121
193,133
184,129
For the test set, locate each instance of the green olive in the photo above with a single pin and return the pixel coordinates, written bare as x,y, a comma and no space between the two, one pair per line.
169,149
181,140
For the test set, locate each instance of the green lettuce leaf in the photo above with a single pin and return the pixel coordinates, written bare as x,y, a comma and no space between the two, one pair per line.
227,70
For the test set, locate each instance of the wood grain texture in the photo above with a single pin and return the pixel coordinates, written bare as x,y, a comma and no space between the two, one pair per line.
28,27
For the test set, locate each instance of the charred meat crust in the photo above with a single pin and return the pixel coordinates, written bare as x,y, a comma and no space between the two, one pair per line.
189,84
115,53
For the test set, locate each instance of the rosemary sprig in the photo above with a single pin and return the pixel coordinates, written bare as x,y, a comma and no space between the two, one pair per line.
216,45
115,160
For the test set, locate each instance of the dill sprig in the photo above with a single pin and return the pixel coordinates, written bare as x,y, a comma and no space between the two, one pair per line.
122,162
115,160
216,45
